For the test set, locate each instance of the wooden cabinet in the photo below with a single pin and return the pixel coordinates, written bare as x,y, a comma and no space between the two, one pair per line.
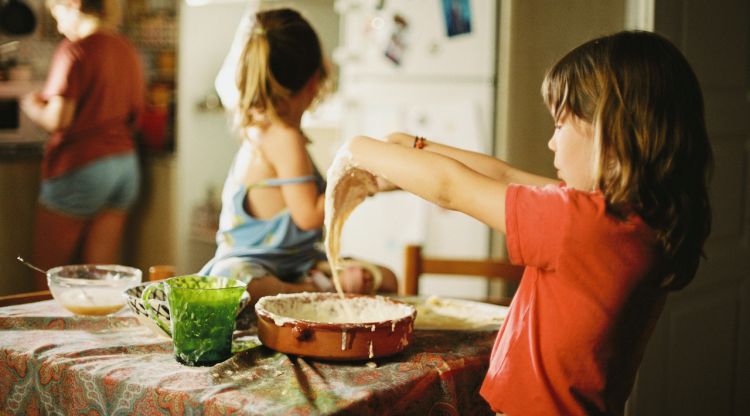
149,239
152,27
19,186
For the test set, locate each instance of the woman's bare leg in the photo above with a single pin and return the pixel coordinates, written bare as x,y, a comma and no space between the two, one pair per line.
56,239
103,237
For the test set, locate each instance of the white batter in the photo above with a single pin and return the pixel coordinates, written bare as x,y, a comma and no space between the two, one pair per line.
347,186
310,307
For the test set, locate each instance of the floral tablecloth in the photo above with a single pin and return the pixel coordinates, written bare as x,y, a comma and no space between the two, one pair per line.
54,363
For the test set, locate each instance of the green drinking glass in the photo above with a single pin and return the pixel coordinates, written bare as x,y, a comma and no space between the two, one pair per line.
202,313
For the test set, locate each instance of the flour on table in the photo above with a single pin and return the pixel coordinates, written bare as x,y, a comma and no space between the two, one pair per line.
456,314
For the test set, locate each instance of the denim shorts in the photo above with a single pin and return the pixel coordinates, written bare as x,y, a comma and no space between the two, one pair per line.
112,182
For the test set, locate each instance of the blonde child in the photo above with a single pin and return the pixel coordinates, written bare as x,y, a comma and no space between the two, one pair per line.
272,203
603,248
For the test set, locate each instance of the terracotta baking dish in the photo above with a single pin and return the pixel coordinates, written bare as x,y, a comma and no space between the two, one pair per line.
325,326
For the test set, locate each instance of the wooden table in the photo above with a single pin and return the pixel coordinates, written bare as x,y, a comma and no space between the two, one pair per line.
52,362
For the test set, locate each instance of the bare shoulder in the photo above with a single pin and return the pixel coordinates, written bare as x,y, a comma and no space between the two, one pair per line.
282,144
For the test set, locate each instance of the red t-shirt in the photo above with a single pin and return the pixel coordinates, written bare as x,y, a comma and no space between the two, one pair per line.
584,310
103,74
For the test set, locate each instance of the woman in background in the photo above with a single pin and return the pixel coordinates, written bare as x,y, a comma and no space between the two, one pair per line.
90,105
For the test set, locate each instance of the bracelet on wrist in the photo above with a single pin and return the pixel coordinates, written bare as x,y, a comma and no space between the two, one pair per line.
419,142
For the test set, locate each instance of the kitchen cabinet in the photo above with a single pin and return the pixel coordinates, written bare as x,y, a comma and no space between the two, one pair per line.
149,238
19,186
152,27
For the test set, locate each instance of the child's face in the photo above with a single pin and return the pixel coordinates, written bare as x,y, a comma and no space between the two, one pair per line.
573,144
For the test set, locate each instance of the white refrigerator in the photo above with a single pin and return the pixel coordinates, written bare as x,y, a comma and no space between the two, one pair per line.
426,67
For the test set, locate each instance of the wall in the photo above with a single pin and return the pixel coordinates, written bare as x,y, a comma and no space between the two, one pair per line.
533,35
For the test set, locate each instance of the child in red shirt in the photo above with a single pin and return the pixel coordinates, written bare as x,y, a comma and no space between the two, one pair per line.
603,248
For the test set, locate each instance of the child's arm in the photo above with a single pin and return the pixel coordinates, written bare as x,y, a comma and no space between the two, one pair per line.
287,154
484,164
52,115
437,178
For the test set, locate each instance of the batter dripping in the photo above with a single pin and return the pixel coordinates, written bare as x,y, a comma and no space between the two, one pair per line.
347,187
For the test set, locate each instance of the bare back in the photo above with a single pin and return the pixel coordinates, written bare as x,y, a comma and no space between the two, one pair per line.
279,152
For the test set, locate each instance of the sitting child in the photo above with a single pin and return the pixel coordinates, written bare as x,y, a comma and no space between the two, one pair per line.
270,228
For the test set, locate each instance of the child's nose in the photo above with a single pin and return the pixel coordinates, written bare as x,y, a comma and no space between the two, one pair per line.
551,143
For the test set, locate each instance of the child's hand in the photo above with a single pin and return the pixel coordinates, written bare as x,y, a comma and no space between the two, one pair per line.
31,101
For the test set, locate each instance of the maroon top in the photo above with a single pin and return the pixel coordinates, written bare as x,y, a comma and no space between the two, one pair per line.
102,73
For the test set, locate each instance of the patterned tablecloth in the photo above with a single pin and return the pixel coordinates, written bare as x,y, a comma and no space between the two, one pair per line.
54,363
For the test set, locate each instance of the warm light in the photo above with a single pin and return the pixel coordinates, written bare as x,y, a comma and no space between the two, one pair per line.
377,23
197,3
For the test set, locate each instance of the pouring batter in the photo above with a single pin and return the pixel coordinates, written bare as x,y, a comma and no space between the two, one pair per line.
347,188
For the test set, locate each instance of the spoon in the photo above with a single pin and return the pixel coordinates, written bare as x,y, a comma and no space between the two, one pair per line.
19,258
31,266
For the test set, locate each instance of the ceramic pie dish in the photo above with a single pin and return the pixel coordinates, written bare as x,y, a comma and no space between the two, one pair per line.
328,327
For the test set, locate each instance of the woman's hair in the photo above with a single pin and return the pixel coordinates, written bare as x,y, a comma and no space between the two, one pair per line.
653,155
279,58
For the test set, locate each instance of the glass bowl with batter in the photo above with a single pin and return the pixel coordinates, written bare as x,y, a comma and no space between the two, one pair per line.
92,289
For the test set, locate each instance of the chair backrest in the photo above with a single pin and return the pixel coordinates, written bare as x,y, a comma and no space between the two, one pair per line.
415,265
28,297
160,272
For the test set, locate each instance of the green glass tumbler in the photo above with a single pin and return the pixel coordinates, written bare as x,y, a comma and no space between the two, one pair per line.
202,312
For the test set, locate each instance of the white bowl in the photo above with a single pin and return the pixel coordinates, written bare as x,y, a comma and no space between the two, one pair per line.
91,289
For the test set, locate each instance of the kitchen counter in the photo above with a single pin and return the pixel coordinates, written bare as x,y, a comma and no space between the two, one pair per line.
22,150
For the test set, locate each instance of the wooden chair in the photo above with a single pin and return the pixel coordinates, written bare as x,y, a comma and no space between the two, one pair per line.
160,272
416,265
28,297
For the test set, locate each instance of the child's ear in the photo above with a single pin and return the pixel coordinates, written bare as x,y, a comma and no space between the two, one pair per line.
313,83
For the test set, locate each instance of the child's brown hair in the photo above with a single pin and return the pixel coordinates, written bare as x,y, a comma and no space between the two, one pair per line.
653,152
